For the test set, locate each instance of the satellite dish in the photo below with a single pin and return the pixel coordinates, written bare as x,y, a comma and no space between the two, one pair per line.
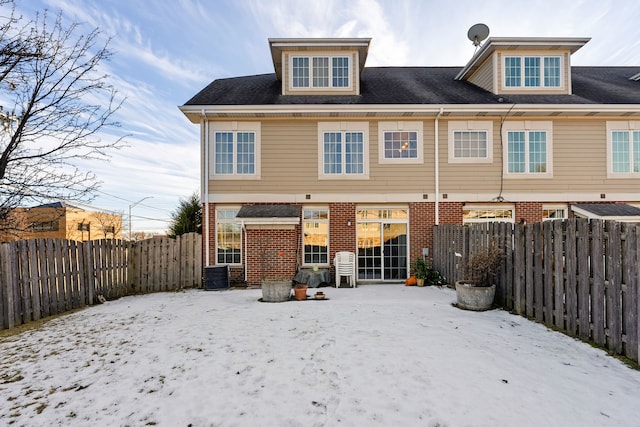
478,33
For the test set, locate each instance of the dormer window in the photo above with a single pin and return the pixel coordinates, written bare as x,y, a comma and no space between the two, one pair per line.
320,72
532,72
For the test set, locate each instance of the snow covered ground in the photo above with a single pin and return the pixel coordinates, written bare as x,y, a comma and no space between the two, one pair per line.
378,355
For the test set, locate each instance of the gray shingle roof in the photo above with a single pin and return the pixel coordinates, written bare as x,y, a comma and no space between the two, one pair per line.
609,209
425,85
269,211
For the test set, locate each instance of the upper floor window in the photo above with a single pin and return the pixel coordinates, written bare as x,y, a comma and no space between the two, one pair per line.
343,150
470,141
623,149
315,223
532,71
320,72
228,237
529,145
400,142
235,150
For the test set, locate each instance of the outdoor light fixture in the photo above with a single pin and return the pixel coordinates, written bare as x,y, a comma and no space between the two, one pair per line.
348,223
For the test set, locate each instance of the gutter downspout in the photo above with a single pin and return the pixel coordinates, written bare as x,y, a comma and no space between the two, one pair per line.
244,250
437,167
205,189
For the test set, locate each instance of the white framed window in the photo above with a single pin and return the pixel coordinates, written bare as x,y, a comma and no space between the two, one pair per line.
228,236
234,150
470,141
528,149
475,213
400,142
554,211
343,150
320,72
532,72
315,239
623,149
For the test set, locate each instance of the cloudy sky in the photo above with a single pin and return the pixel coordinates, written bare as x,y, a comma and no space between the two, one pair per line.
165,51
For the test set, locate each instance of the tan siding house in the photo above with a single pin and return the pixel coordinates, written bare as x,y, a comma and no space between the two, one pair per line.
60,220
334,156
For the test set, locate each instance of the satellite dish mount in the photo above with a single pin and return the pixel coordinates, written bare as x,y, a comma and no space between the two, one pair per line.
478,33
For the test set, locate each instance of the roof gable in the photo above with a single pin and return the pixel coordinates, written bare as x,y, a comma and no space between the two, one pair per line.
280,45
518,43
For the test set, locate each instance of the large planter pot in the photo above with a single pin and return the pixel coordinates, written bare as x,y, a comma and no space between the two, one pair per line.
276,290
476,298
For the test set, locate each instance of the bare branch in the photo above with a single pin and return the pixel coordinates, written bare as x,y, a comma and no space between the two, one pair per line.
62,103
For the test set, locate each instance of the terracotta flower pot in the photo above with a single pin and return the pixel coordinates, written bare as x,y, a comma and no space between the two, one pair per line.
300,293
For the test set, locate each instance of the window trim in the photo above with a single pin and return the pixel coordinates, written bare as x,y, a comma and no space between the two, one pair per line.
330,87
328,222
522,86
620,126
401,126
344,127
215,233
488,207
470,125
527,126
234,127
555,207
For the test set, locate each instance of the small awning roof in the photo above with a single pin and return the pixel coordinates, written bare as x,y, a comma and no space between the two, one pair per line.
608,211
269,214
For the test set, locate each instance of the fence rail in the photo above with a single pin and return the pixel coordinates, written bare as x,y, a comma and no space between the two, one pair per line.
579,276
44,277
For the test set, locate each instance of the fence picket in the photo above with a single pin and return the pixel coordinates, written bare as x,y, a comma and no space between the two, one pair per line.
529,295
558,274
34,281
519,291
630,279
598,318
547,229
570,279
614,288
9,264
584,330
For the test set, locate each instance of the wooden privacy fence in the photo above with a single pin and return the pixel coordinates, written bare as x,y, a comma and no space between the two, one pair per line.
579,276
43,277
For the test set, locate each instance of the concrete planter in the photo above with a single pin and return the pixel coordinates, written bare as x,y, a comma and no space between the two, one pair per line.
276,290
476,298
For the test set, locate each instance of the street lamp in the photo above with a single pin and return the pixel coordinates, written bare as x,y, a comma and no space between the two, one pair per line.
133,205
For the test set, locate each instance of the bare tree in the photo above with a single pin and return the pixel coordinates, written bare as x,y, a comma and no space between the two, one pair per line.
110,224
60,101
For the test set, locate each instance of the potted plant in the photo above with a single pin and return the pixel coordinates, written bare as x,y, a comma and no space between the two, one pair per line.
477,289
300,291
420,270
